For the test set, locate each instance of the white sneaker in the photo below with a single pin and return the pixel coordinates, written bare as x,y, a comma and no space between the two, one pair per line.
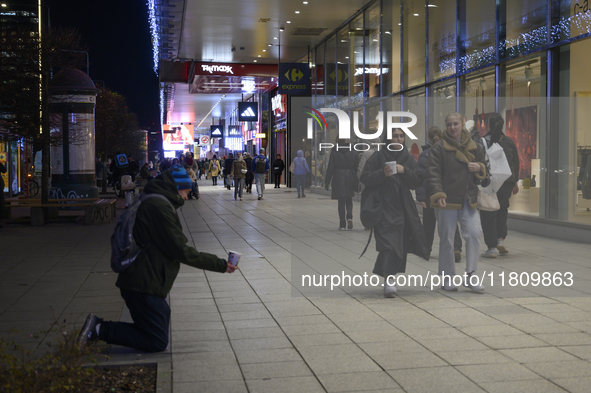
390,290
501,247
474,288
490,253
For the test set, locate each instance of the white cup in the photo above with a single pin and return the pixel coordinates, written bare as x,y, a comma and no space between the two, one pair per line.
234,257
392,164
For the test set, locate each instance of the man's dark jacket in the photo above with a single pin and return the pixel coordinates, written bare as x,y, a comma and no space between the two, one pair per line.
158,227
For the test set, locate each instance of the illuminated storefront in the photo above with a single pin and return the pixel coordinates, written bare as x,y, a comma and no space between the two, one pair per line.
525,59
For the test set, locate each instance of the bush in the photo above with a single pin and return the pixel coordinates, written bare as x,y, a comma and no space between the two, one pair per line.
61,369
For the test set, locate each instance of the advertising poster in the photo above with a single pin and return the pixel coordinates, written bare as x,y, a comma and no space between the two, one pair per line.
175,137
522,127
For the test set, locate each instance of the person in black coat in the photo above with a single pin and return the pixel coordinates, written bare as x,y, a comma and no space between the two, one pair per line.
341,175
228,163
399,231
249,175
278,168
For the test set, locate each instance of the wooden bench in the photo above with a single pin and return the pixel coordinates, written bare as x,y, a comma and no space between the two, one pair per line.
97,211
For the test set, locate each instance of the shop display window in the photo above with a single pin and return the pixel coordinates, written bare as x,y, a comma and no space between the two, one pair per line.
478,40
372,71
523,26
522,103
570,19
442,38
413,36
391,46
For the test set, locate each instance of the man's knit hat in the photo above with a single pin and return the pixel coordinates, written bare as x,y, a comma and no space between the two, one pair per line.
182,180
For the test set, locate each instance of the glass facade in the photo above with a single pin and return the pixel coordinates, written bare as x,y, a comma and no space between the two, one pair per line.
524,59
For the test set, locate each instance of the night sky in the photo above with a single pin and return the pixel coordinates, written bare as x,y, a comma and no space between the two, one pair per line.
117,35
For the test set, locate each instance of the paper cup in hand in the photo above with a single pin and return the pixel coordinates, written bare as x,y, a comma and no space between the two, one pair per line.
234,257
392,164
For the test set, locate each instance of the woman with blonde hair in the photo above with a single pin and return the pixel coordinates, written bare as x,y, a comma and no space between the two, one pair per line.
455,166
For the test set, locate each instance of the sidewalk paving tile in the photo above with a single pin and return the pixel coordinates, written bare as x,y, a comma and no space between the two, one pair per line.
260,330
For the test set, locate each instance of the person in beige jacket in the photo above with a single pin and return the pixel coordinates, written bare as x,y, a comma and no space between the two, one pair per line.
238,173
214,170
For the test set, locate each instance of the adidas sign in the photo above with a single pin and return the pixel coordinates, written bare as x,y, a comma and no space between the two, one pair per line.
216,132
248,112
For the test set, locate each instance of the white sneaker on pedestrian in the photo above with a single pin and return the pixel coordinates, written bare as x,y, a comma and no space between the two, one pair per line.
474,285
501,247
490,253
390,290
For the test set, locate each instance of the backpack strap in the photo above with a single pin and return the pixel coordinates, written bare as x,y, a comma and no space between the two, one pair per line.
367,245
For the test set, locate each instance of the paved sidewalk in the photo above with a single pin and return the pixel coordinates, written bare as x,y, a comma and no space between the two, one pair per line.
260,330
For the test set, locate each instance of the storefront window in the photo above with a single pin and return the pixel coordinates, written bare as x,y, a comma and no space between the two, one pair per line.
570,19
372,70
478,29
442,101
478,97
331,70
344,67
523,107
390,54
358,39
572,175
523,28
414,102
413,33
442,38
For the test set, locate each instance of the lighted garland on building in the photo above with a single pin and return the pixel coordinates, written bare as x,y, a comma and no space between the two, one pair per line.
154,31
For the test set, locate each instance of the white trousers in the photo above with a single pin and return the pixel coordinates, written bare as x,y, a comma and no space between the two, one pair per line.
471,231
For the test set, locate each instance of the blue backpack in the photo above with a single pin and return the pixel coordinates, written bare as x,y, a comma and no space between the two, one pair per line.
124,249
121,161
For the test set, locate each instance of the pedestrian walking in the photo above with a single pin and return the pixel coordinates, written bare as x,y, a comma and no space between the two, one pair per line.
494,223
145,284
300,172
399,231
238,173
227,169
214,170
422,194
455,166
278,168
341,175
249,175
260,167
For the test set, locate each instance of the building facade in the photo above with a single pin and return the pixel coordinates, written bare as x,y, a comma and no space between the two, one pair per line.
525,59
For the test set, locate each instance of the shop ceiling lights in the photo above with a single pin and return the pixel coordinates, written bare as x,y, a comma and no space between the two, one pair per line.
528,72
483,84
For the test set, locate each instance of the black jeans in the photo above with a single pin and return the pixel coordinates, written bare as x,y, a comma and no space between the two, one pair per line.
149,330
494,224
429,222
277,179
345,203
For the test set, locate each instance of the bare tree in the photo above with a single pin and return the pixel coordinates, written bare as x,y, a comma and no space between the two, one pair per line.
27,62
117,128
